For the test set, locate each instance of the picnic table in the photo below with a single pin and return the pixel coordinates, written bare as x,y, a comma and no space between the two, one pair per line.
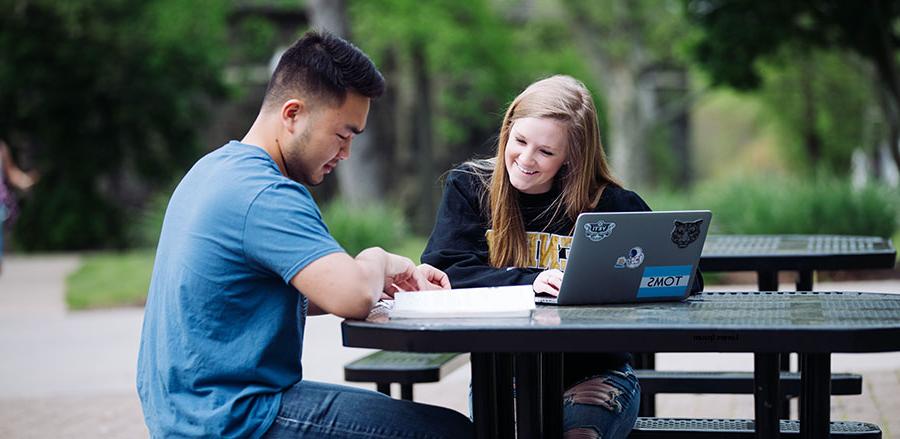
815,324
768,255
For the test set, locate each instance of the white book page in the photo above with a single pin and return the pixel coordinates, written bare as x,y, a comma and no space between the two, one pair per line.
508,301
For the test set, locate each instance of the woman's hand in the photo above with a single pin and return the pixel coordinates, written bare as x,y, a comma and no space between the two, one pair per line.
548,281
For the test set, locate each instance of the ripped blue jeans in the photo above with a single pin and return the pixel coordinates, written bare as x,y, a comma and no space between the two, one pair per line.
604,406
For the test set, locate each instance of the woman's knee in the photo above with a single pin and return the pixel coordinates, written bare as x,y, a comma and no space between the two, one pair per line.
604,406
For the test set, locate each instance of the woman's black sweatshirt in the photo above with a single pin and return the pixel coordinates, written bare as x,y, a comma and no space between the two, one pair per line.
458,245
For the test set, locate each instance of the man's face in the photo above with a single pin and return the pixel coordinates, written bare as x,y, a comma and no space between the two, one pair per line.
324,139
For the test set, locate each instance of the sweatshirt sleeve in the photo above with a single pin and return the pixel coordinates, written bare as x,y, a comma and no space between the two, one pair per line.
458,245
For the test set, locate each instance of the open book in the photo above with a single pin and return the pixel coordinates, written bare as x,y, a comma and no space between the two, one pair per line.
511,301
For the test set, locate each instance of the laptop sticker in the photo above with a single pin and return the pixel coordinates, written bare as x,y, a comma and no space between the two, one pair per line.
664,281
686,233
599,230
634,259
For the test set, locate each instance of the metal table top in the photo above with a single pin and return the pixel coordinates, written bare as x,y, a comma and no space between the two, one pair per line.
795,252
806,322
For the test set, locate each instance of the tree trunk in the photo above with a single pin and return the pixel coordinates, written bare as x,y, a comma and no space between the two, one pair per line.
361,177
885,62
627,153
811,139
423,141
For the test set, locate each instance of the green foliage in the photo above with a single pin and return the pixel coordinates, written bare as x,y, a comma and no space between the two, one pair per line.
357,228
818,96
477,58
737,33
110,279
107,95
657,26
790,205
739,40
257,38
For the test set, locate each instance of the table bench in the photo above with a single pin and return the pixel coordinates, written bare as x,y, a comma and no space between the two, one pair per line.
408,368
405,368
676,428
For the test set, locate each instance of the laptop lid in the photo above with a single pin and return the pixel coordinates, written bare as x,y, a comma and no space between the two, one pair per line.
623,257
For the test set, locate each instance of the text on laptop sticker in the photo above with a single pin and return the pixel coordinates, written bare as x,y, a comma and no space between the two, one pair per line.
634,259
664,281
599,230
685,233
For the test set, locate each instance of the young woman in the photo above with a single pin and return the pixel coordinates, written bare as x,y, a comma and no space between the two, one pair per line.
508,221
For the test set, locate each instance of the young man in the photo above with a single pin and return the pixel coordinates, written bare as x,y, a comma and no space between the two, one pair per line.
244,257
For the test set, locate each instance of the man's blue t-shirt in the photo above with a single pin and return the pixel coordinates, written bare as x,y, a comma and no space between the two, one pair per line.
223,327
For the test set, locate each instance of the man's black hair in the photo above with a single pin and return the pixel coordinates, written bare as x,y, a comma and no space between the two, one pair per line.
322,67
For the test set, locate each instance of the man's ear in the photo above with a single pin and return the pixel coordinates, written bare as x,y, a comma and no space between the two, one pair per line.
292,111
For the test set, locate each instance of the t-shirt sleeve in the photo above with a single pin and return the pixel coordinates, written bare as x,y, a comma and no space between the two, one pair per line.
284,231
458,244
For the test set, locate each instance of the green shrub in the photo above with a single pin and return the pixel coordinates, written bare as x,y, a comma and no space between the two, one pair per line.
109,279
786,205
357,228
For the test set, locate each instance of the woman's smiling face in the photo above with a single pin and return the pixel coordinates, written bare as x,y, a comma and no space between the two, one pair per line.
535,151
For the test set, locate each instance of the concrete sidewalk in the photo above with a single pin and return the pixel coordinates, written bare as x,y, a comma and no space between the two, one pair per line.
71,374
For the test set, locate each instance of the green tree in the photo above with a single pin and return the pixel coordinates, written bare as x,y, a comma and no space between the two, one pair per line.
451,67
635,53
822,110
737,34
106,95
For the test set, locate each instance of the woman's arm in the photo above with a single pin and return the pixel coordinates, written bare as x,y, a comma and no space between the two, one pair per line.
16,177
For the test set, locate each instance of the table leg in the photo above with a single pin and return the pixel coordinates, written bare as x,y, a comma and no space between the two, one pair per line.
484,398
804,280
503,385
767,280
785,366
766,394
804,283
815,394
552,389
528,395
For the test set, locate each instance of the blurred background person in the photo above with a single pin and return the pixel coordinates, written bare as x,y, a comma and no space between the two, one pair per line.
10,177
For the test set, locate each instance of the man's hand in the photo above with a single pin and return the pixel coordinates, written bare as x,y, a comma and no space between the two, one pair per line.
422,278
548,282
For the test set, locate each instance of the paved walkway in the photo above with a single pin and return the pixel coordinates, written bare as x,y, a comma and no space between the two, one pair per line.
71,374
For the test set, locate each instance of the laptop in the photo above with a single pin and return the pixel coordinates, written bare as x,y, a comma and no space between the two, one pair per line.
628,257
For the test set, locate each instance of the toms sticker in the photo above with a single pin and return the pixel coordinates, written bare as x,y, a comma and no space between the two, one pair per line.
599,230
634,259
665,281
685,233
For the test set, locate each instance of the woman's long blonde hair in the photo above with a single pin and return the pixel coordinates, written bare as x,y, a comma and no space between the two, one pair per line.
582,179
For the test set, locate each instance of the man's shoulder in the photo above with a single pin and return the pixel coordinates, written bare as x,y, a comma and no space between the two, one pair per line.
239,171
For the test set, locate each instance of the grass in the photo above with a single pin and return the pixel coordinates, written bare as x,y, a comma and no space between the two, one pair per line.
110,279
